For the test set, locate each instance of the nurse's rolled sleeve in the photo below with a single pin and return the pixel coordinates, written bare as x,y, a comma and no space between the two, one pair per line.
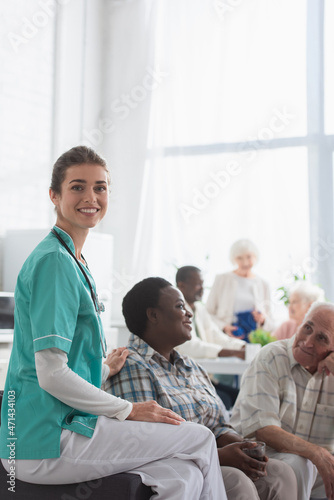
55,377
55,302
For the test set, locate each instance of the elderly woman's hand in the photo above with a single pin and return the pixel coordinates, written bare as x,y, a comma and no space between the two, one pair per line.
116,359
259,317
229,329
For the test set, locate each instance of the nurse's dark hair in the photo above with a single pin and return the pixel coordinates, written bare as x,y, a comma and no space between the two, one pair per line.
75,156
143,295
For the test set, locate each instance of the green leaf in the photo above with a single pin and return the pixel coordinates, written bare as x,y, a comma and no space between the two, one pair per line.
260,336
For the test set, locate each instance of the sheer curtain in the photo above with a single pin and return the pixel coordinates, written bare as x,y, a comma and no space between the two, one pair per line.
329,67
131,77
203,111
26,104
221,160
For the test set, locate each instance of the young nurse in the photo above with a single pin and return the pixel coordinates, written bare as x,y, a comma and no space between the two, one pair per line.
61,426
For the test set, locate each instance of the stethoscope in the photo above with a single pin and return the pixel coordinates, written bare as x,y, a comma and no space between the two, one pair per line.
99,306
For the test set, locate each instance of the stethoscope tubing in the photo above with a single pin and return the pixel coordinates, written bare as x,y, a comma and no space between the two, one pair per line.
99,307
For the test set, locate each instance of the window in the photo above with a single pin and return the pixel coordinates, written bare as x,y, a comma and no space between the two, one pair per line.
26,102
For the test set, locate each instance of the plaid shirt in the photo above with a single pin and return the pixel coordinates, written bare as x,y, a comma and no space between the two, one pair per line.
184,386
276,390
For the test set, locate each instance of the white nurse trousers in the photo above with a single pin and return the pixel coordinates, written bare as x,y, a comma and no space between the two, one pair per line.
179,462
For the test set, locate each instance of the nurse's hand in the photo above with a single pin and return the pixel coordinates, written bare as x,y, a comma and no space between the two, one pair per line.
151,411
116,359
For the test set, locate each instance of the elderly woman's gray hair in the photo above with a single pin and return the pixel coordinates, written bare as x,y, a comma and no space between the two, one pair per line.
242,247
307,292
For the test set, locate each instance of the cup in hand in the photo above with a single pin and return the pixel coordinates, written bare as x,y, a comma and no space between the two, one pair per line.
257,451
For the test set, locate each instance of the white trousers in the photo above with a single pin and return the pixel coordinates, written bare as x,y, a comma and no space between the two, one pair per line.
177,461
309,481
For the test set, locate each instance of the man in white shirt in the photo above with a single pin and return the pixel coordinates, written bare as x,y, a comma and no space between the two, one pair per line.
207,341
287,400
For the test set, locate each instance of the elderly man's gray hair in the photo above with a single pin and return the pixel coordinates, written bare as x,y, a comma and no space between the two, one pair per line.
327,306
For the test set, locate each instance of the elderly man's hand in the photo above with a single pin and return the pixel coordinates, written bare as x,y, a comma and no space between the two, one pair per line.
327,364
324,461
116,359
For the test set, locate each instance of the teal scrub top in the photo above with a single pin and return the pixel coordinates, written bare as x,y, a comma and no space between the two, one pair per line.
53,308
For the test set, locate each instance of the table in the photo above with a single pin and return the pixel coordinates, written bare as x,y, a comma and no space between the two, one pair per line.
226,366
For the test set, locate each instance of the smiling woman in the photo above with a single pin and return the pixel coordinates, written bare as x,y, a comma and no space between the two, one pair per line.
155,311
80,193
82,202
239,300
57,325
155,370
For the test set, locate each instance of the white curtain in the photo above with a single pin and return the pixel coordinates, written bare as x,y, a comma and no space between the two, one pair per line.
26,106
329,67
198,105
224,78
131,78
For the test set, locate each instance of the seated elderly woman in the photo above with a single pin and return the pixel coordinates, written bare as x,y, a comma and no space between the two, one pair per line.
239,300
155,313
301,296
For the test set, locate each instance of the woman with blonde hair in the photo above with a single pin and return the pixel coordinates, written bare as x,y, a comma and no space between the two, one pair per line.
67,430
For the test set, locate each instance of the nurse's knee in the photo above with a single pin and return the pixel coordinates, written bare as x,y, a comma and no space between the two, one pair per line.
187,482
197,431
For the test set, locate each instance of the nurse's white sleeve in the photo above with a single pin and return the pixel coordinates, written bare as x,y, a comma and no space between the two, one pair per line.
105,373
55,377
